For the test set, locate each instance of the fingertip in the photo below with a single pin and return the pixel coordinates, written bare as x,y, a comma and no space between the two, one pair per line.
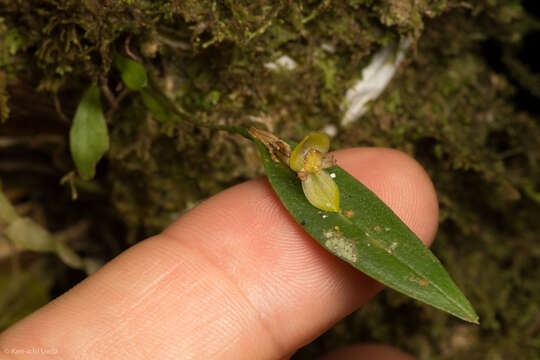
279,267
234,269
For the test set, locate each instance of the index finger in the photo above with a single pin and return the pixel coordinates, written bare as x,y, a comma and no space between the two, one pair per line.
236,277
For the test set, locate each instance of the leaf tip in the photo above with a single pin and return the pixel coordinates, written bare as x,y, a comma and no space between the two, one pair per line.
473,319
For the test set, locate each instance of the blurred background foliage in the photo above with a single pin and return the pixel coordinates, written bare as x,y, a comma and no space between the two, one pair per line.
465,103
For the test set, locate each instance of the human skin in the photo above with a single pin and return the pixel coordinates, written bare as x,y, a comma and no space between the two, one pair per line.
234,278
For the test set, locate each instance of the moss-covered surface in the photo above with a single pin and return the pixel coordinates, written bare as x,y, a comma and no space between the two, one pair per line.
464,103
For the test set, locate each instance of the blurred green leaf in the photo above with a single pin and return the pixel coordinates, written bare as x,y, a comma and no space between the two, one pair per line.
133,73
22,293
157,105
368,235
7,211
28,235
68,256
88,138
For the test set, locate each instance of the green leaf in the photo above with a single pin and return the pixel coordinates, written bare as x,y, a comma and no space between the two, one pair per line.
68,256
22,293
28,235
157,106
133,73
88,137
368,235
7,211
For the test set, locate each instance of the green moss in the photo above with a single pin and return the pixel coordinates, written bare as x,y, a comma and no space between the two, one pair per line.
448,106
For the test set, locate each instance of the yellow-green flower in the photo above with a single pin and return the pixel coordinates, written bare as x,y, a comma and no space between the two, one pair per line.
308,160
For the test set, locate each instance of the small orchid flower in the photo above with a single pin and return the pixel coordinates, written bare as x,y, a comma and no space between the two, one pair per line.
309,161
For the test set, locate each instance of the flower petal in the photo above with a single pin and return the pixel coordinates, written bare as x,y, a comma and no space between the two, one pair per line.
315,141
321,191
